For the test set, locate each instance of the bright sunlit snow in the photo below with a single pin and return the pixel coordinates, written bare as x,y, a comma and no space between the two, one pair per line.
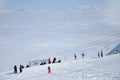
106,68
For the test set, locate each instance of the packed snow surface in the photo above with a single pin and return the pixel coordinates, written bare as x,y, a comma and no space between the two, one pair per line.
106,68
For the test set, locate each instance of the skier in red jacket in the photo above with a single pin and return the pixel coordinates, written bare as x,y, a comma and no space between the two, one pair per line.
49,70
49,61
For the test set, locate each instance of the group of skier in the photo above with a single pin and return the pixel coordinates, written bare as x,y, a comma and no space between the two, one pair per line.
54,60
20,68
75,56
49,61
100,54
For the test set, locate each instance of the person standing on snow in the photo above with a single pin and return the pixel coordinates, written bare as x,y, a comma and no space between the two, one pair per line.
20,68
49,70
54,60
98,54
49,61
83,55
59,60
75,56
15,69
101,53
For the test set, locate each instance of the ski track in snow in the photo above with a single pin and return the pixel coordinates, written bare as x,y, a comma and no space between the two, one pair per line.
107,68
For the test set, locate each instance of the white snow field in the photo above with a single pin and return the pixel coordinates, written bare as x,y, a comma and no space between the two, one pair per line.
106,68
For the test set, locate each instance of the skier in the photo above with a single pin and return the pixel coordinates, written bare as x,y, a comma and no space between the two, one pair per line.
75,56
54,60
49,61
59,60
98,54
83,55
27,66
49,70
20,68
101,53
15,69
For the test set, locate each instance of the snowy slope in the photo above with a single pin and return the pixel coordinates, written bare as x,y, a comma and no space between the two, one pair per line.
107,68
90,51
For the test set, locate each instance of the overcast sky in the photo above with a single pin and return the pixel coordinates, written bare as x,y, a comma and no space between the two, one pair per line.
37,29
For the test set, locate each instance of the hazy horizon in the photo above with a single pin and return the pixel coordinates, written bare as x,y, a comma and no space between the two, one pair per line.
45,28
